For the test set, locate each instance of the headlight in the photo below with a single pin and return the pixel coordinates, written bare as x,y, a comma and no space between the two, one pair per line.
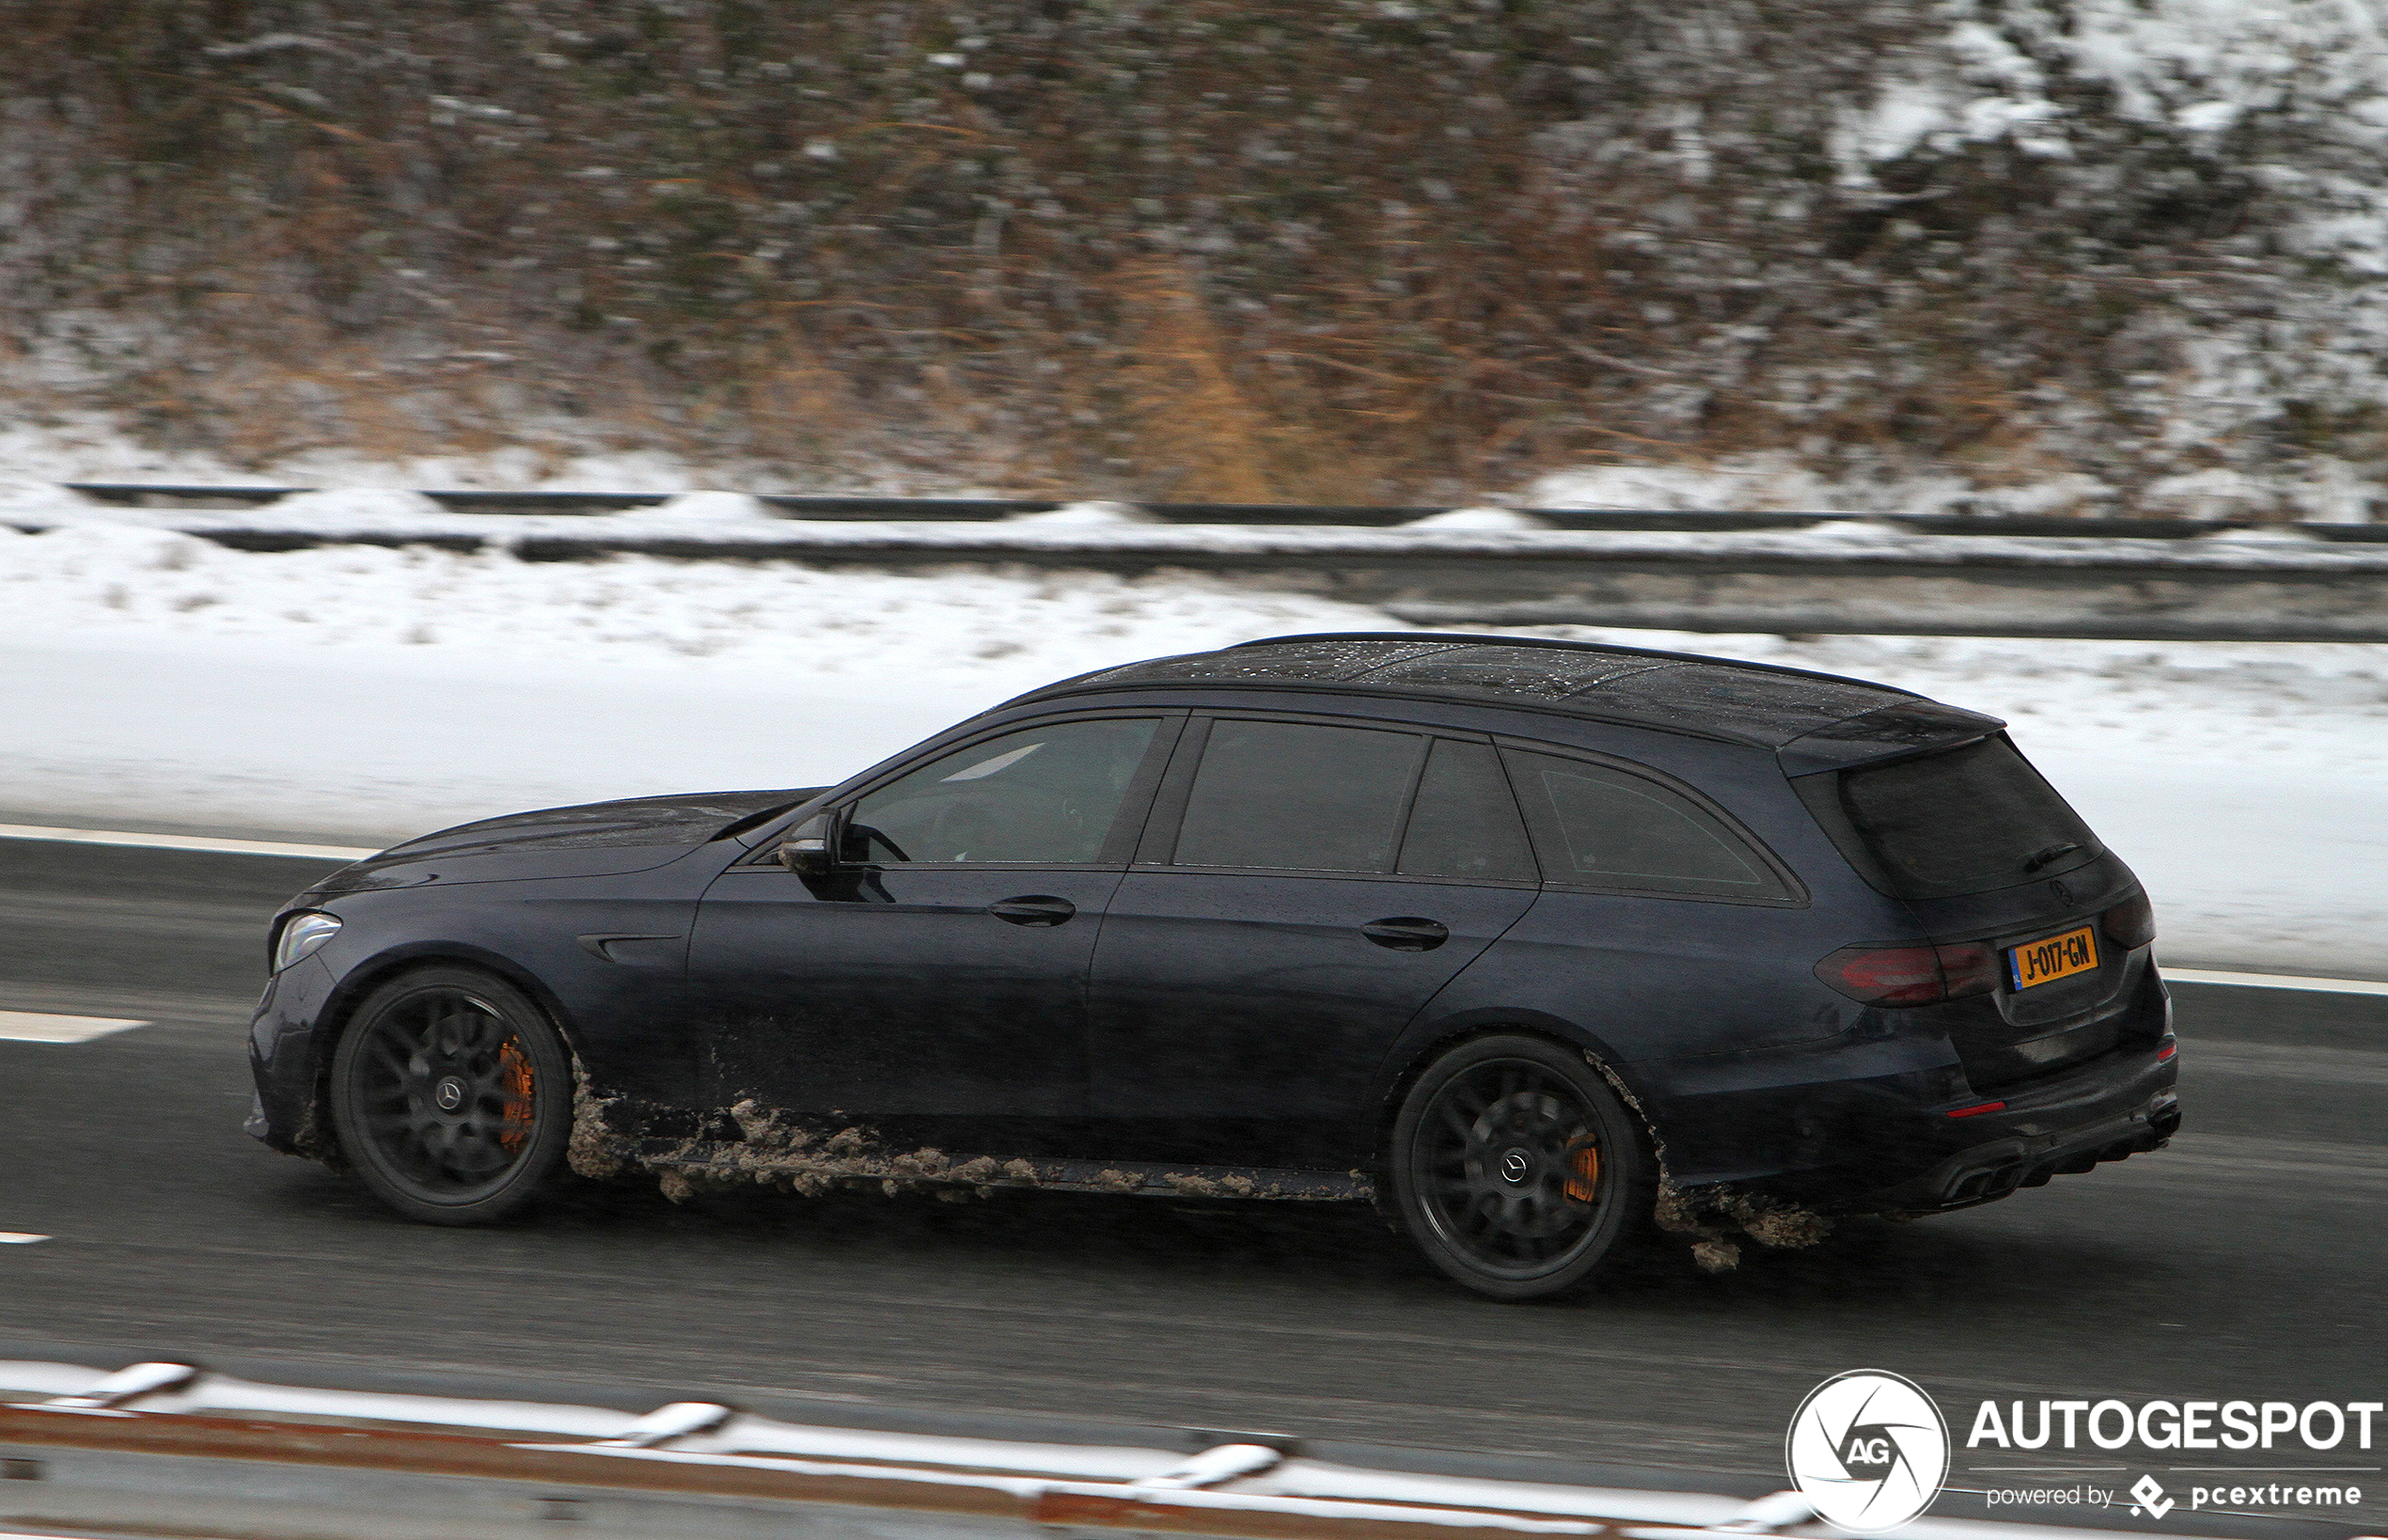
302,934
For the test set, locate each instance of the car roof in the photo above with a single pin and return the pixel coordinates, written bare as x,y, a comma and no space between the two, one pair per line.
1685,692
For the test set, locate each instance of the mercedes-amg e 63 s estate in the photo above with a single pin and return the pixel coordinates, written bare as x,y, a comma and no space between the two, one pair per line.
1542,946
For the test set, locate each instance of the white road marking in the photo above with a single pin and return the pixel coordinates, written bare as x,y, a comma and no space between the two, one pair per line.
31,1027
2275,980
19,1237
182,842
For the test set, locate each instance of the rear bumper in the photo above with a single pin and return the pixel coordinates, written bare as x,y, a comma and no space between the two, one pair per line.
1889,1144
2069,1128
1895,1126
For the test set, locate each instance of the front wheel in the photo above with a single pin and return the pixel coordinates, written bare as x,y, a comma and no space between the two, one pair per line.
1516,1168
452,1096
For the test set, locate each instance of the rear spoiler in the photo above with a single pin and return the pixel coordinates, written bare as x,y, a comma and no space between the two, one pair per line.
1894,733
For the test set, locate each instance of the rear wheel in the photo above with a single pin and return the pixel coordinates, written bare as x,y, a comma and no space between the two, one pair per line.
1516,1168
452,1096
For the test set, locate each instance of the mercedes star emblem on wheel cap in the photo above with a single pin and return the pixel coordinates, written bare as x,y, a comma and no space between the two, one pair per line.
450,1094
1868,1450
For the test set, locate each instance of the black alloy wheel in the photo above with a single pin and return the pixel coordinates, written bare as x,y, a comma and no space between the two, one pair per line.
1517,1168
452,1096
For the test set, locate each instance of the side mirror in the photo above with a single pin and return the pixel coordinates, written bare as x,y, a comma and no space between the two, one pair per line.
806,849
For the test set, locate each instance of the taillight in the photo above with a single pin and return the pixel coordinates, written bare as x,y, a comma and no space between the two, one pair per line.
2130,923
1919,975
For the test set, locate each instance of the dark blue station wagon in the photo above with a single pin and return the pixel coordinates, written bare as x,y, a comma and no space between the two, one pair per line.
1546,948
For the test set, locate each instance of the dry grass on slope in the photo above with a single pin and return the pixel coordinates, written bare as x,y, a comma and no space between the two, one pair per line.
1232,249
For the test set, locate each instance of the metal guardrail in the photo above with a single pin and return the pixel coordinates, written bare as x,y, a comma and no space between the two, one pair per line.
1292,515
1798,573
146,494
166,1449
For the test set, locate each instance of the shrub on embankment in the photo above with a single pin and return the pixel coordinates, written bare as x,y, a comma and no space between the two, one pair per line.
1233,249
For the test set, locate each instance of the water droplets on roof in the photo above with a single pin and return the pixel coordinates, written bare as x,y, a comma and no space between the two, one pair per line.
1546,671
1327,661
1697,693
1751,701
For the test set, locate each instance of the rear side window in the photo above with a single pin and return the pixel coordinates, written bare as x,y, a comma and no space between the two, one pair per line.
1594,826
1299,797
1965,821
1465,823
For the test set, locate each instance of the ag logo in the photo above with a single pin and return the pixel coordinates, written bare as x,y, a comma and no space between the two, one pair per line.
1868,1451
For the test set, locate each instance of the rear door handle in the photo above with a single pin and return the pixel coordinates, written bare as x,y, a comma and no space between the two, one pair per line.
1406,933
1033,909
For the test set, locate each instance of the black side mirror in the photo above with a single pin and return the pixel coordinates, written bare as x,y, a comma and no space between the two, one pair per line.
806,849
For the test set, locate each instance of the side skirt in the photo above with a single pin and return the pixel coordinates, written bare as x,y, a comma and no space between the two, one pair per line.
739,1162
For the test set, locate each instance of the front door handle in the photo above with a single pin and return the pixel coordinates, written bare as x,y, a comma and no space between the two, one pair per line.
1033,909
1406,933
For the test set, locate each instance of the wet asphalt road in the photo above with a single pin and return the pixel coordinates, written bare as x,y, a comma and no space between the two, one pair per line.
2246,1262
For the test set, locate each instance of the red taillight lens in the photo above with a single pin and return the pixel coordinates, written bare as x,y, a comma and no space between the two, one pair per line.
1884,975
1970,969
2130,923
1920,975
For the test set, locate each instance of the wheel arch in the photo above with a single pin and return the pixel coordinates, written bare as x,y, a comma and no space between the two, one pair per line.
357,985
1427,1042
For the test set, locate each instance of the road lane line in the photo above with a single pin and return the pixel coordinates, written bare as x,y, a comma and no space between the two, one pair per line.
32,1026
182,842
2273,981
19,1237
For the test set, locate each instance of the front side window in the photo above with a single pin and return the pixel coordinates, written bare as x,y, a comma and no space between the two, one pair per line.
1047,795
1299,797
1598,827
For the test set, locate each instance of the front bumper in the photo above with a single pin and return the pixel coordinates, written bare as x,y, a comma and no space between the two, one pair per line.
282,1056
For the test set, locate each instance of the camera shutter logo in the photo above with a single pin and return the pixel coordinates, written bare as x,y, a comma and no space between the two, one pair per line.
1868,1450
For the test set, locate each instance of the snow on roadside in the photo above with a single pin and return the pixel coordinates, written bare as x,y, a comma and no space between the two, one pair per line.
92,446
358,694
124,581
362,693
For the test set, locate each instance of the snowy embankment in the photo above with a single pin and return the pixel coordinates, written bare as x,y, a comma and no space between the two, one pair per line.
357,693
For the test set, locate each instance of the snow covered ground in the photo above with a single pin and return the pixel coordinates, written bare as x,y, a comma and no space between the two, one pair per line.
355,694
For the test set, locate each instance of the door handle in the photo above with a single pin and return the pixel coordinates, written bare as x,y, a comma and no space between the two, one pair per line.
603,943
1406,933
1033,909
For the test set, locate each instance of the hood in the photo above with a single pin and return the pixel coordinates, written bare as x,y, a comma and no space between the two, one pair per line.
589,840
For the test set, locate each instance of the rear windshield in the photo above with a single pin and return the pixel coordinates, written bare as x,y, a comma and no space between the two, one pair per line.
1965,821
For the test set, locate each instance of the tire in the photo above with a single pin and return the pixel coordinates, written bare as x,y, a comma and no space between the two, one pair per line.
1516,1169
452,1096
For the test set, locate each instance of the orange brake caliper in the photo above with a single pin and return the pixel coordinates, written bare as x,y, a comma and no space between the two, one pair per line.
513,1070
1584,1172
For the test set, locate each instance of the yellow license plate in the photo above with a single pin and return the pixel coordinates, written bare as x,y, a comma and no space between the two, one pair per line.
2057,957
